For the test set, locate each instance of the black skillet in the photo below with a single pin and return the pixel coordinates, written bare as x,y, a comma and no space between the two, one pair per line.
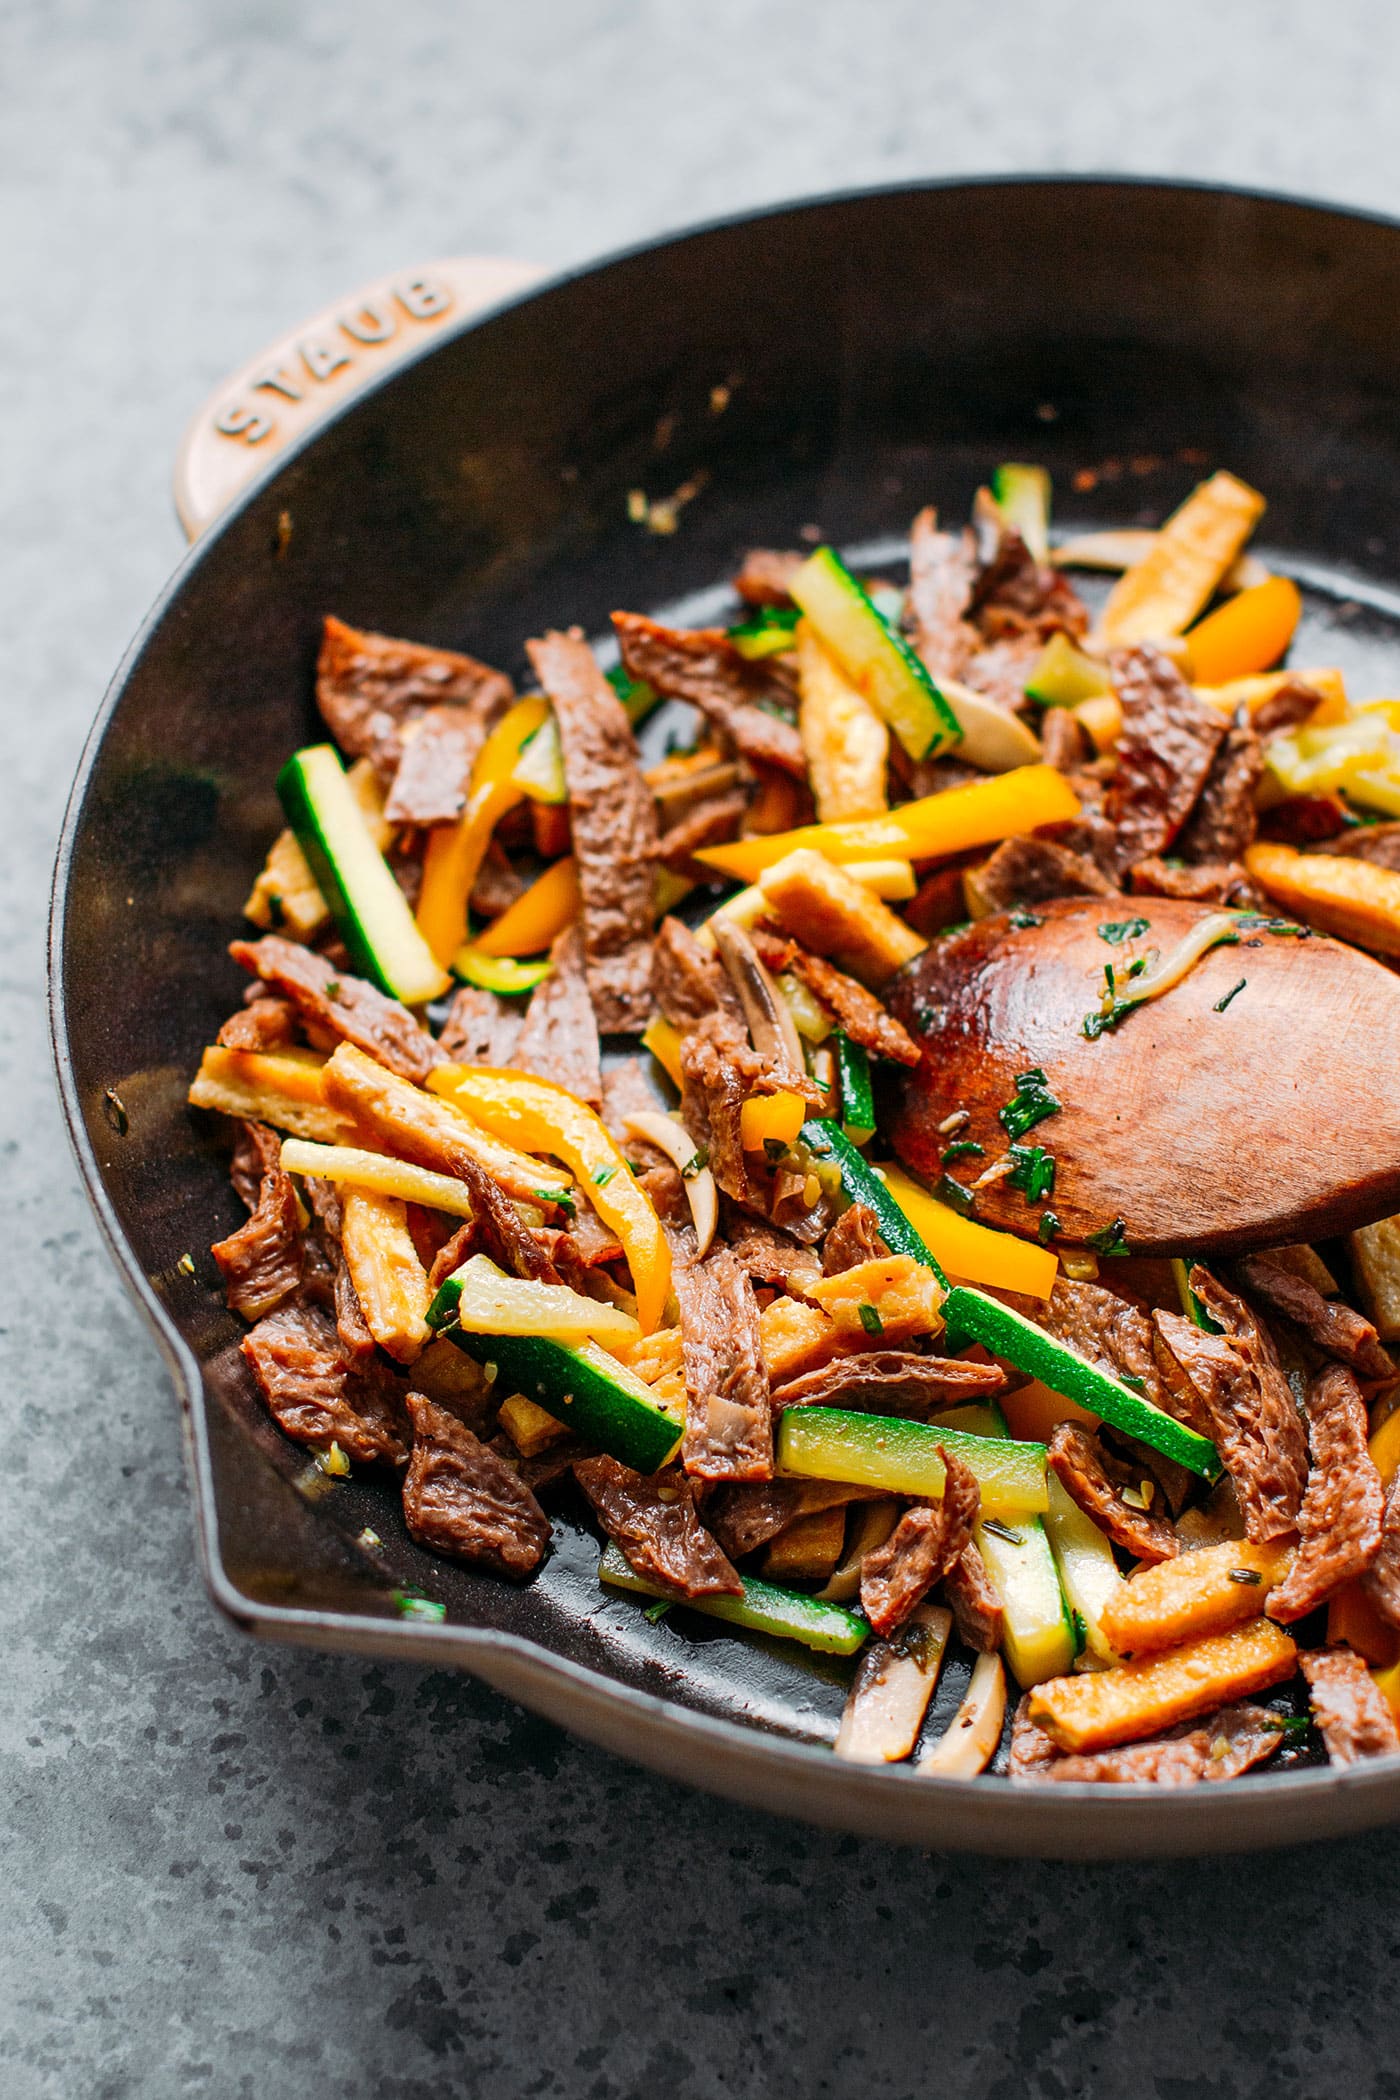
832,367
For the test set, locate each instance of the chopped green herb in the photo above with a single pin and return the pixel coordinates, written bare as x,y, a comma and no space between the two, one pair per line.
775,1149
955,1195
657,1611
563,1197
1000,1530
1033,1173
1251,1576
1254,920
1048,1227
332,987
1111,1240
1291,1724
1130,1378
1022,918
1221,1004
1031,1103
870,1319
1079,1625
1116,931
602,1176
410,1606
963,1148
958,926
765,618
696,1164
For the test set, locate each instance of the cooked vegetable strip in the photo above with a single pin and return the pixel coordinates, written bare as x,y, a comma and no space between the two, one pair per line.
284,1090
1022,496
1089,1573
874,656
862,1183
827,1443
530,924
582,1386
286,898
483,1300
785,1615
971,1737
455,852
385,1270
1349,898
846,741
975,815
1162,593
992,737
535,1116
892,1688
376,1170
1196,1594
1246,634
1137,1699
971,1252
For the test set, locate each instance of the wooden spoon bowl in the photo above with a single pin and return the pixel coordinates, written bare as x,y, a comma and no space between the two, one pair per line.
1204,1131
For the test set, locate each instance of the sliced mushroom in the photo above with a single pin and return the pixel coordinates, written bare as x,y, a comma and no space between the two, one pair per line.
676,1142
971,1737
892,1689
771,1026
874,1521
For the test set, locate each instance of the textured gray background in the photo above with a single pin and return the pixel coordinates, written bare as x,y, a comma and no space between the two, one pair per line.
235,1871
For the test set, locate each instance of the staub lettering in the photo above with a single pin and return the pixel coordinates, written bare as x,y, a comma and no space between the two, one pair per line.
343,342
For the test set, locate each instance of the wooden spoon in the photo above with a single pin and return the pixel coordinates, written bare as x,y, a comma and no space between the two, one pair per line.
1205,1132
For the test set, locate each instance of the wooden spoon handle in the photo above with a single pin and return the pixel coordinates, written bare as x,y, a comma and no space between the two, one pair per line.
293,384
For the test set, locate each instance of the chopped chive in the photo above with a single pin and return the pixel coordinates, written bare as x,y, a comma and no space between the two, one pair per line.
870,1319
1031,1103
1116,931
410,1606
602,1176
1023,919
1000,1530
955,1196
1221,1004
1251,1576
1112,1239
657,1611
1048,1227
1033,1173
963,1148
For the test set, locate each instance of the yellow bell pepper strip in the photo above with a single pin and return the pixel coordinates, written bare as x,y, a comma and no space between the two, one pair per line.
536,1116
1103,718
529,925
979,814
664,1043
455,851
770,1119
1245,634
1388,1685
1351,898
1252,693
1162,594
974,1253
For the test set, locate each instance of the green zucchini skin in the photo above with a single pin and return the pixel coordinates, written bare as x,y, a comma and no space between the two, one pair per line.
1023,497
886,1451
826,1140
971,1316
788,1615
857,1099
874,655
581,1388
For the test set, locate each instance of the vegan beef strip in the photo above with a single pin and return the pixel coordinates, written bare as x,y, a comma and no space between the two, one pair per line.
655,1524
1064,742
559,1040
1381,1582
452,1253
498,883
924,1545
1288,707
1222,1746
1339,1523
369,686
263,1025
728,1412
1351,1711
1223,824
1248,1406
257,1150
942,568
1211,882
1032,871
999,672
692,984
463,1499
1013,590
434,773
314,1394
1335,1329
480,1029
770,1257
971,1596
1165,754
892,1382
766,576
1110,1331
746,1514
703,667
710,823
718,1075
854,1238
613,818
350,1007
1083,1470
1377,843
859,1014
261,1263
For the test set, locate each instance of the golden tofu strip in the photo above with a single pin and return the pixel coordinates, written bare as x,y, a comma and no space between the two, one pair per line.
1162,594
1375,1252
846,742
385,1270
822,906
1196,1594
1136,1699
283,1089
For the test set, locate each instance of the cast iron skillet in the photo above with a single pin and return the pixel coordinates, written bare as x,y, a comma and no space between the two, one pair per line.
879,351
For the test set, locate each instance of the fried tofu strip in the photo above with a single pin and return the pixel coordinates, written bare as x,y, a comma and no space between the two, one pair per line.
385,1270
1194,1595
1137,1699
826,909
284,1090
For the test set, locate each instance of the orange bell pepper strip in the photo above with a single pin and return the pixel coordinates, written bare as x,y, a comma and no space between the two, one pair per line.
1351,1616
455,851
775,1117
528,926
973,1253
536,1116
1003,807
1245,634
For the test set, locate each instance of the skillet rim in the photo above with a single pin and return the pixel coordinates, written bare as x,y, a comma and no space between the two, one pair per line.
744,1763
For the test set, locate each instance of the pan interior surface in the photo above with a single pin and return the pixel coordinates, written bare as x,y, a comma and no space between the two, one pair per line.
818,372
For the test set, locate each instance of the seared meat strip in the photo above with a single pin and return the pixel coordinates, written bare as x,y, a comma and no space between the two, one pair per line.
1352,1713
858,1012
1247,1404
434,773
702,666
1083,1469
1064,743
1032,870
257,1151
613,818
718,1075
971,1596
462,1498
369,686
350,1007
1032,1750
1339,1522
480,1029
891,1382
692,984
1378,843
261,1263
1336,1329
1224,822
942,566
1222,1746
1165,753
771,1257
313,1394
1211,882
1108,1330
927,1541
728,1415
1381,1581
263,1024
655,1523
745,1514
559,1040
854,1238
710,823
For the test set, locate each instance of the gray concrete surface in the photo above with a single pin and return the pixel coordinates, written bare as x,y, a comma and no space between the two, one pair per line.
228,1871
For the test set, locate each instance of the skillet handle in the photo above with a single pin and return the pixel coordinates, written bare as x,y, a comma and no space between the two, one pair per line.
288,388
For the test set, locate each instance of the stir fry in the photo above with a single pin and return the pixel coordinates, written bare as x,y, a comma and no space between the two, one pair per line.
696,1290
